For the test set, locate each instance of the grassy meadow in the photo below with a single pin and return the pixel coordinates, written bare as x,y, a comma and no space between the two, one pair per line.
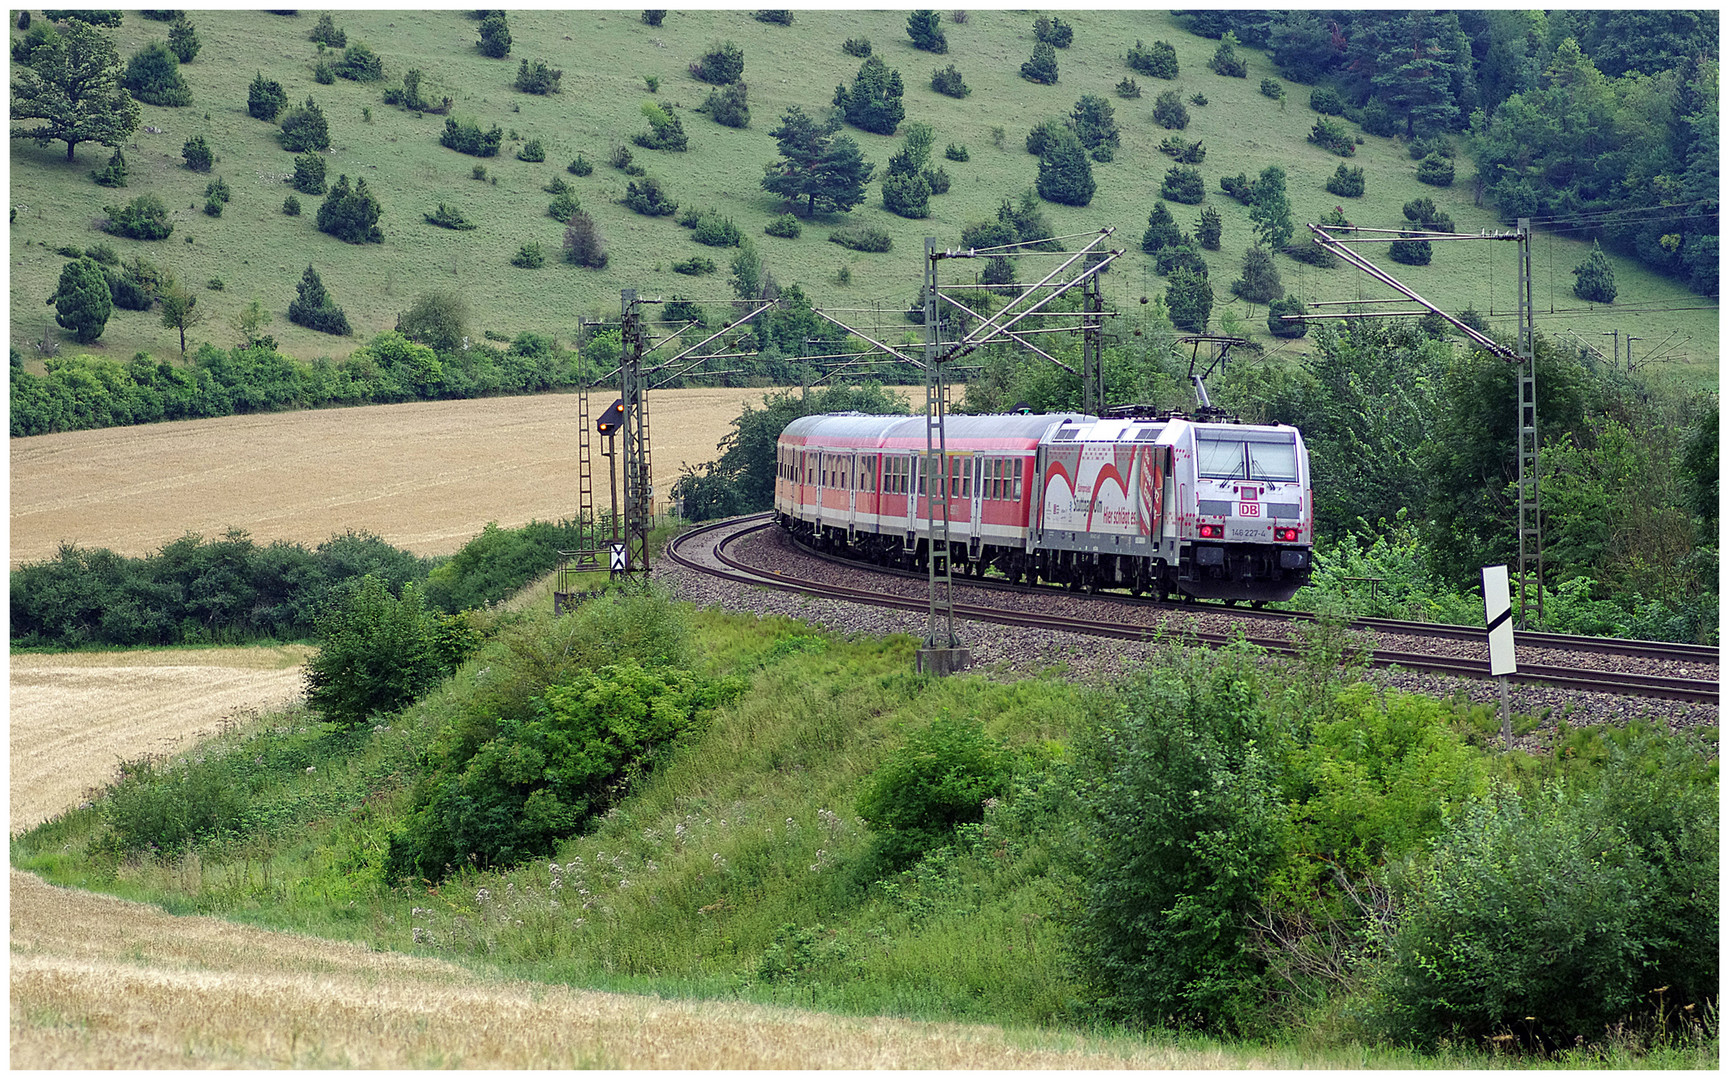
256,250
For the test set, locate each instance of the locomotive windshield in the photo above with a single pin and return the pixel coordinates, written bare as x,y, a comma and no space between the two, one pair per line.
1239,455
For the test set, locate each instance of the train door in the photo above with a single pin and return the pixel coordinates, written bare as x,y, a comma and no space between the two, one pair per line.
852,476
917,465
975,475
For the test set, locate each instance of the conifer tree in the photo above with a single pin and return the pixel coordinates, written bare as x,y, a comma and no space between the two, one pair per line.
1260,282
82,302
1596,277
313,308
1065,174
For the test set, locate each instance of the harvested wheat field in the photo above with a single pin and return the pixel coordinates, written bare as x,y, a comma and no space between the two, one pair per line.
105,983
75,716
98,982
425,476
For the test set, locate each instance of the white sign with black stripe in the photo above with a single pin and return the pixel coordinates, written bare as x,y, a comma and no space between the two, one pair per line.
619,560
1498,610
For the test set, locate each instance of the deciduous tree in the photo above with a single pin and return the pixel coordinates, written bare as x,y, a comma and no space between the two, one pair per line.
73,87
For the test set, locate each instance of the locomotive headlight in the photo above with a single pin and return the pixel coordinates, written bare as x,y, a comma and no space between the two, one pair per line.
1285,534
1209,532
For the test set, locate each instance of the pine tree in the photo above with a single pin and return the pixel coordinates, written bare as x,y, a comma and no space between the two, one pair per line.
1260,282
1189,299
1065,174
1209,229
1596,277
495,36
1042,68
874,102
1095,124
1161,229
183,39
313,307
304,128
925,28
1271,210
82,302
72,85
825,170
265,98
351,215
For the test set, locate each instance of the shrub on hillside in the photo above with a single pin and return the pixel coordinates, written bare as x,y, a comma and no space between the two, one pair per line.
1225,60
376,654
153,77
593,736
716,231
326,32
265,99
1128,88
653,16
1158,60
859,47
494,36
1169,112
1347,182
874,101
144,218
1161,231
665,131
1410,252
948,81
723,63
583,244
533,151
466,137
1189,299
308,175
564,205
437,319
529,256
304,128
579,166
1333,135
647,197
1260,282
114,173
1186,152
313,308
1065,175
1435,170
323,72
1278,326
862,238
925,30
956,153
1042,68
82,301
449,217
360,64
1271,88
1238,187
1326,101
695,266
351,215
535,77
1183,184
935,782
729,105
197,154
291,206
786,225
1053,30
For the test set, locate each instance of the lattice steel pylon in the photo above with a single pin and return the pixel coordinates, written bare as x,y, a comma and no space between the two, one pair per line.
589,551
1530,502
942,651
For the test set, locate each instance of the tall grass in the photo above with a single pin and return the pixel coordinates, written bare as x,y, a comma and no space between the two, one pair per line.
605,55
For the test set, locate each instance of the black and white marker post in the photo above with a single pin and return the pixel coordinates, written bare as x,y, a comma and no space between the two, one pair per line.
1498,611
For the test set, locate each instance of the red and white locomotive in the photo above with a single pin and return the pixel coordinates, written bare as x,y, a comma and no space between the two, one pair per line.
1168,505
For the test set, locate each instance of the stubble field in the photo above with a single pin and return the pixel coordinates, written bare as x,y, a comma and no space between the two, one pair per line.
425,476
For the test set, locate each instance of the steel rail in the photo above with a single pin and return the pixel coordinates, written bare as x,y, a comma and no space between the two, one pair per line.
1684,688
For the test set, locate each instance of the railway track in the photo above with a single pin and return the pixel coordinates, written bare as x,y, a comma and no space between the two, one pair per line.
1597,665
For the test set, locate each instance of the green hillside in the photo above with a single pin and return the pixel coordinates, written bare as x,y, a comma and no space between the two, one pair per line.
256,250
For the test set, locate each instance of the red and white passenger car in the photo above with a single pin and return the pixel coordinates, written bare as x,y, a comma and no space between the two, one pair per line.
1167,505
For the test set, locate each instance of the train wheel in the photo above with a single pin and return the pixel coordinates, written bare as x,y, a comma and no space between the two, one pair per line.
1258,604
